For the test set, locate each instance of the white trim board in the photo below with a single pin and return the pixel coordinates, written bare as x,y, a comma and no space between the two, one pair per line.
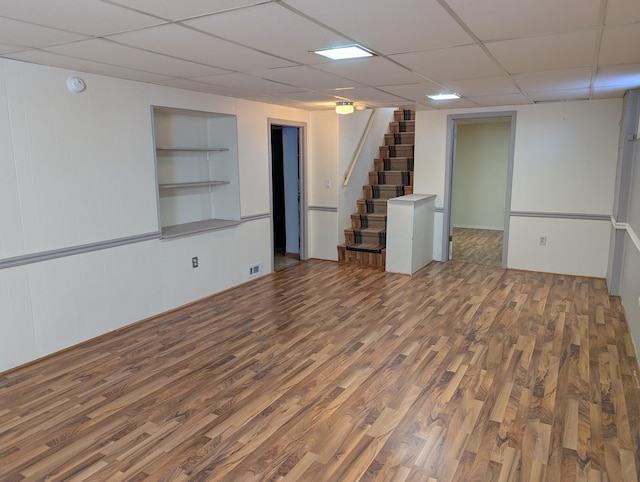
473,226
627,227
73,250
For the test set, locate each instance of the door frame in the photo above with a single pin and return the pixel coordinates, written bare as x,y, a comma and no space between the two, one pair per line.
302,201
447,223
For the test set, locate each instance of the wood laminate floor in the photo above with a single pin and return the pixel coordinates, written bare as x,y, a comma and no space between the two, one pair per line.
478,246
281,261
327,371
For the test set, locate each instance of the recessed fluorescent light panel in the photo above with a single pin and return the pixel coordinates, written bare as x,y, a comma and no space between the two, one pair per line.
444,96
347,52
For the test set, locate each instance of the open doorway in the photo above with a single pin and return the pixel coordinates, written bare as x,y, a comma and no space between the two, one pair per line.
478,198
286,194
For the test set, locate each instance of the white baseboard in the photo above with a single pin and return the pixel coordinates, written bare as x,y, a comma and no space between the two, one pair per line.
473,226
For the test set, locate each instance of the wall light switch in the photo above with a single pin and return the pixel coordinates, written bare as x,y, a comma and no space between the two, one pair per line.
327,183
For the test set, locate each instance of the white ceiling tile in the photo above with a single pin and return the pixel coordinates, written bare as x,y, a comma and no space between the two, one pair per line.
248,83
312,97
554,80
200,87
370,95
620,45
272,99
188,44
627,75
48,58
622,11
507,99
449,104
556,95
21,34
306,76
388,27
546,52
422,107
609,92
371,71
293,42
5,49
479,87
178,10
505,19
107,52
454,63
415,92
90,17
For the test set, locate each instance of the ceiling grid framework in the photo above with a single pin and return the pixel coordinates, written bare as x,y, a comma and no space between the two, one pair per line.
492,53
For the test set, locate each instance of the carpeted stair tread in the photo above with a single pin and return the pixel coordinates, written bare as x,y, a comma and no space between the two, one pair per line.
375,206
396,150
394,164
399,138
371,216
367,248
371,231
368,220
385,191
403,178
404,115
374,236
402,126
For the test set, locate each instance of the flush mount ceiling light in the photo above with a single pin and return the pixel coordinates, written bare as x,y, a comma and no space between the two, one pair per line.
444,96
344,107
346,52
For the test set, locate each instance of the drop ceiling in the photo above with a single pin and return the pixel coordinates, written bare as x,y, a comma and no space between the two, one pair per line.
493,53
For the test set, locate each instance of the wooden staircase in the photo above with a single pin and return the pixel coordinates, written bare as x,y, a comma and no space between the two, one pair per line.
366,239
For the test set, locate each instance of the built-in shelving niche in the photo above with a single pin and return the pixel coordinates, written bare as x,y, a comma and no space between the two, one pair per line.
197,170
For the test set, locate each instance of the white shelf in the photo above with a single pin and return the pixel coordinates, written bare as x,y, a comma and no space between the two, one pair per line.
197,171
197,227
178,185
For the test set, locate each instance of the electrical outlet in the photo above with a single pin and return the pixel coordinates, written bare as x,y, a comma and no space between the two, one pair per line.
255,270
542,240
194,262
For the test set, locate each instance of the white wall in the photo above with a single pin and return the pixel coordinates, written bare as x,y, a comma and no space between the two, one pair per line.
72,171
482,155
564,162
322,166
78,169
630,288
630,285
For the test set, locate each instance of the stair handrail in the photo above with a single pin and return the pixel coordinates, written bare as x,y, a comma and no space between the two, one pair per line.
363,140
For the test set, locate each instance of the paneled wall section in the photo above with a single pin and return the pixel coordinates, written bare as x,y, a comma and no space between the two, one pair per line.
77,169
